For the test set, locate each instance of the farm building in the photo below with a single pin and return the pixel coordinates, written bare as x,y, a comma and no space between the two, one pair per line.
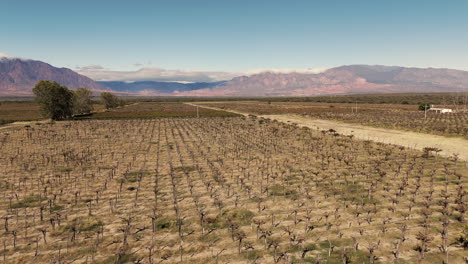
447,108
441,110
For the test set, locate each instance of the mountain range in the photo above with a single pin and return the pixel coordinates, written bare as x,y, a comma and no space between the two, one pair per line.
353,79
18,77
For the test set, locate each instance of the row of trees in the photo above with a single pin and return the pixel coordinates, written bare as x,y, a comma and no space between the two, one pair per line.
58,102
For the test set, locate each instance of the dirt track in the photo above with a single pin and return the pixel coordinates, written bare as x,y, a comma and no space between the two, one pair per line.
413,140
21,124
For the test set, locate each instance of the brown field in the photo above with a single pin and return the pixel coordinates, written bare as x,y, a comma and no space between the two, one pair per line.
223,190
157,110
393,116
24,111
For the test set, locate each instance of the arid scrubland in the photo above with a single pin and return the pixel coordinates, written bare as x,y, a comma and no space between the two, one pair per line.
223,190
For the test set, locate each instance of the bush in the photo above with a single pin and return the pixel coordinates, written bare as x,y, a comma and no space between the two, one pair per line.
424,106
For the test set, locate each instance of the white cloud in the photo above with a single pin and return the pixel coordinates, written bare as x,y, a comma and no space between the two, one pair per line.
305,71
89,68
98,73
157,74
4,55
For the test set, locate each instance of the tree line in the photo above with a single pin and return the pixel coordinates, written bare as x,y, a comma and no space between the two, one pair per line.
58,102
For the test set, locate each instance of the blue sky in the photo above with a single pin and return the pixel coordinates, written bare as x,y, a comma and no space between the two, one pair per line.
235,36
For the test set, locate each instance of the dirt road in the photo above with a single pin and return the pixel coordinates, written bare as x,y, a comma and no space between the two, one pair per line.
413,140
21,124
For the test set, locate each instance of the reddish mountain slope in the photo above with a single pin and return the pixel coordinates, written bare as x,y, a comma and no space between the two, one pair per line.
342,80
18,76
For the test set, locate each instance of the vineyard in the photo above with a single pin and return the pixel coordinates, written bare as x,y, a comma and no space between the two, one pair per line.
157,110
404,117
223,190
14,111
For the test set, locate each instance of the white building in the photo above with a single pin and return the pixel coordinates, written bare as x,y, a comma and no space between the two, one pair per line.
441,110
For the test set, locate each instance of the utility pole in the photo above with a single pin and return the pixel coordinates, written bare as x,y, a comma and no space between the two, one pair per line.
425,111
198,116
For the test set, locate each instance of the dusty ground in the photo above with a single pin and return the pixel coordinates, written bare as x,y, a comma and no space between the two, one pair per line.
449,146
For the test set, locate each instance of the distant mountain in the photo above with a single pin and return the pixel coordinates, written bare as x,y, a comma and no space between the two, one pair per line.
18,76
351,79
157,87
400,76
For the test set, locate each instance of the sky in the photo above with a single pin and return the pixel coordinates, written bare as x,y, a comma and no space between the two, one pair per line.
174,40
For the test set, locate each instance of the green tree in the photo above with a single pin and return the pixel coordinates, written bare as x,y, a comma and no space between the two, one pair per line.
82,103
424,106
110,100
56,100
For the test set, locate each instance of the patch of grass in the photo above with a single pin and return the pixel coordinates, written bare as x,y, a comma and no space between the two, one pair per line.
126,258
360,256
136,173
324,244
309,247
337,258
30,201
56,208
239,215
86,251
351,191
65,169
212,223
294,248
252,254
106,168
185,168
336,243
84,224
279,190
355,192
165,223
4,252
4,122
133,176
208,238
